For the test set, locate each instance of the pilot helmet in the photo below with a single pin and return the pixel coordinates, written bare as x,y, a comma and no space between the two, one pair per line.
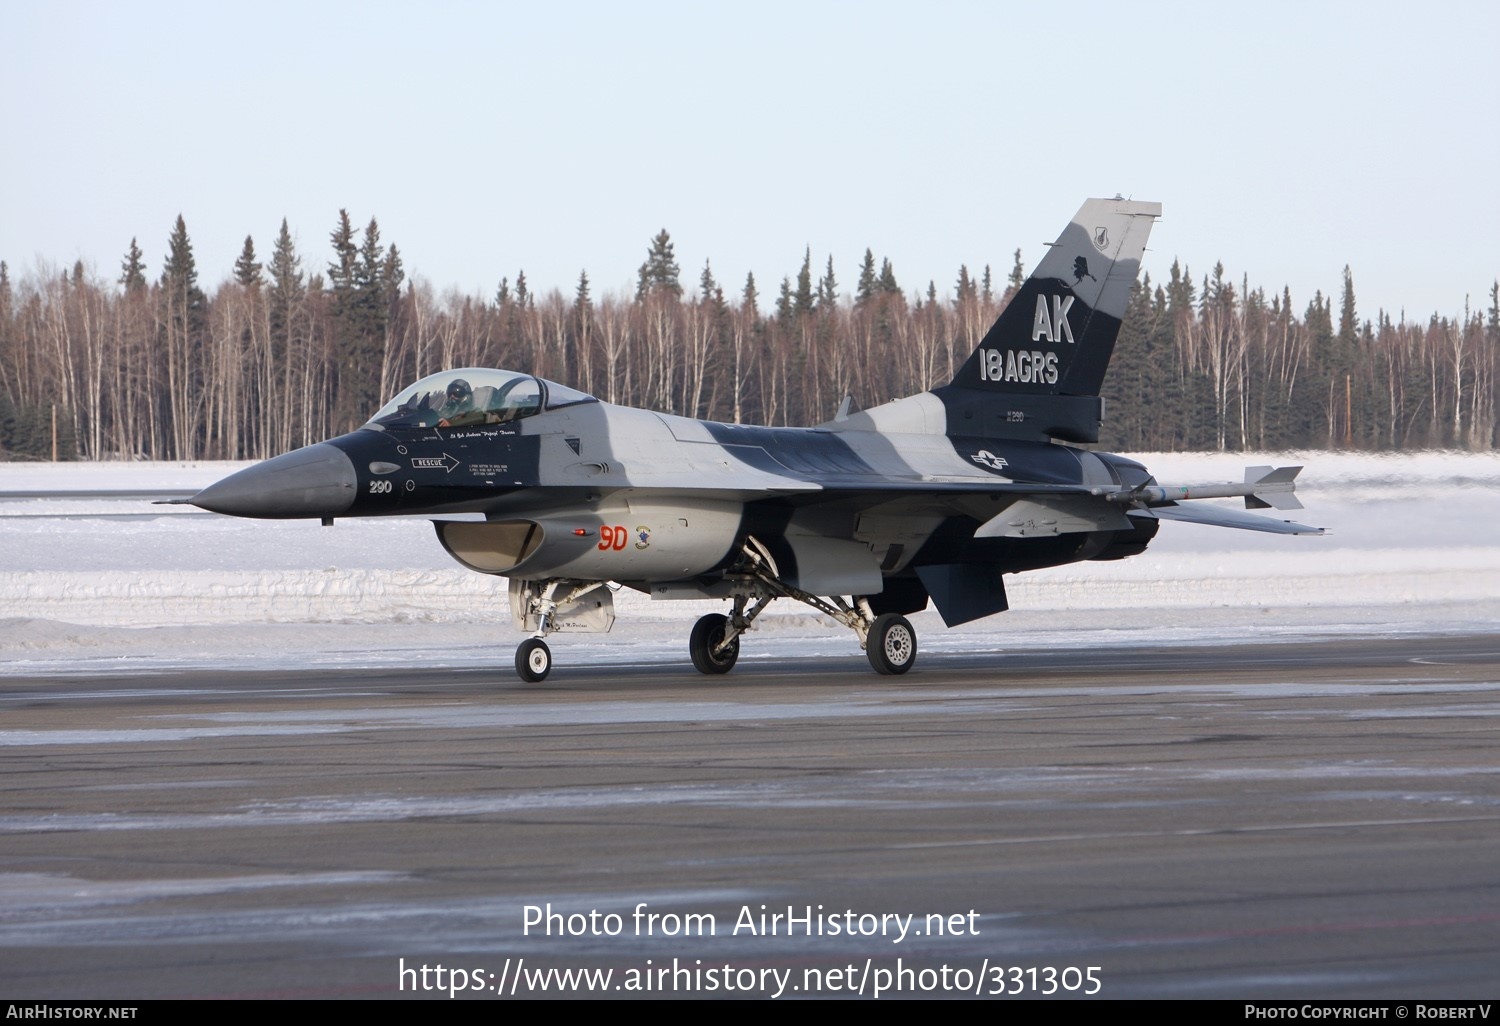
459,391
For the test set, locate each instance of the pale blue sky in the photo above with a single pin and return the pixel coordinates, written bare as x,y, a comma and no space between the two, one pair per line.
1283,139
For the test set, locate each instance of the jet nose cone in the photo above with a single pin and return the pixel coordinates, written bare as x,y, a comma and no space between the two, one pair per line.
314,481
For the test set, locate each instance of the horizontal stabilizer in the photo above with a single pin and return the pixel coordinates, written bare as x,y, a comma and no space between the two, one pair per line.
1218,516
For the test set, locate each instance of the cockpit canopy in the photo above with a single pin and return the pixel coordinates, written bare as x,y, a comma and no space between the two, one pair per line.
474,395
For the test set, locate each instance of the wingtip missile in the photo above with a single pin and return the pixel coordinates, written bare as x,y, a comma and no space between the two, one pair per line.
1264,487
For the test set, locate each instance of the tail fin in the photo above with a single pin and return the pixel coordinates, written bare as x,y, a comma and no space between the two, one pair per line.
1051,344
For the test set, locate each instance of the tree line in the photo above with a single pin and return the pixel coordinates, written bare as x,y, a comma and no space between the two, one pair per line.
280,355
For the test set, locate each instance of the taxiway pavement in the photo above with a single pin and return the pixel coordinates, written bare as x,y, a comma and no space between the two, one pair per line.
1248,821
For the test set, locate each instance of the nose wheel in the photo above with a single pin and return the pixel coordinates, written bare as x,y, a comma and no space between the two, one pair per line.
533,660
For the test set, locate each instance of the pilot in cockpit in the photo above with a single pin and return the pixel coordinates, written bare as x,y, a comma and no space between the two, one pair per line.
460,402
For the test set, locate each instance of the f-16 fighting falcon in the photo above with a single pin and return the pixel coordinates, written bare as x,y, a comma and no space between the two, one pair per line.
867,518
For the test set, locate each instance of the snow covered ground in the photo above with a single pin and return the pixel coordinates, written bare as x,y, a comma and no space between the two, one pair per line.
111,585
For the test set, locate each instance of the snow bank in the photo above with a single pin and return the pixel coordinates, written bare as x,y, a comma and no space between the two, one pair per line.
103,582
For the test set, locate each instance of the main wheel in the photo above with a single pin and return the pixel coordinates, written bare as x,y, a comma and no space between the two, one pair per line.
533,660
707,633
892,645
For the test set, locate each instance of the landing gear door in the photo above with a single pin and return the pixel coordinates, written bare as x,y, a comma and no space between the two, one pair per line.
591,613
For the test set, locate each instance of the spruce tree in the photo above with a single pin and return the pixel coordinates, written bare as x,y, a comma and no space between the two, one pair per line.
345,259
964,290
286,266
370,301
583,307
865,290
179,280
7,343
183,317
287,289
392,273
1017,276
246,268
711,294
133,269
660,272
802,301
1313,408
1127,386
359,315
784,301
750,298
582,304
828,288
1348,318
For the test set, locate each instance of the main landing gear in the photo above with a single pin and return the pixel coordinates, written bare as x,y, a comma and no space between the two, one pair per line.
542,607
714,645
891,644
889,640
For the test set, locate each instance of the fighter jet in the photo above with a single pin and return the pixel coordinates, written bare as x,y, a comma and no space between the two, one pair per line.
935,497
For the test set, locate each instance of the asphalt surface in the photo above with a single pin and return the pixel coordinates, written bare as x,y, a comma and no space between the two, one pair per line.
1249,821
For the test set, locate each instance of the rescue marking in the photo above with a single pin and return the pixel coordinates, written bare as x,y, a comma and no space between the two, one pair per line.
444,462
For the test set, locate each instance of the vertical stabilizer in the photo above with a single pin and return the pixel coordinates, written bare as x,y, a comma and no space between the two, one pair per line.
1055,337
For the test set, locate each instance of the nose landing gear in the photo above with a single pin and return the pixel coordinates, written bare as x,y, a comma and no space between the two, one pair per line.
533,660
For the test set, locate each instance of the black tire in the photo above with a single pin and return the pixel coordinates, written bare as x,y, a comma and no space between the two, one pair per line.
533,660
892,645
707,633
